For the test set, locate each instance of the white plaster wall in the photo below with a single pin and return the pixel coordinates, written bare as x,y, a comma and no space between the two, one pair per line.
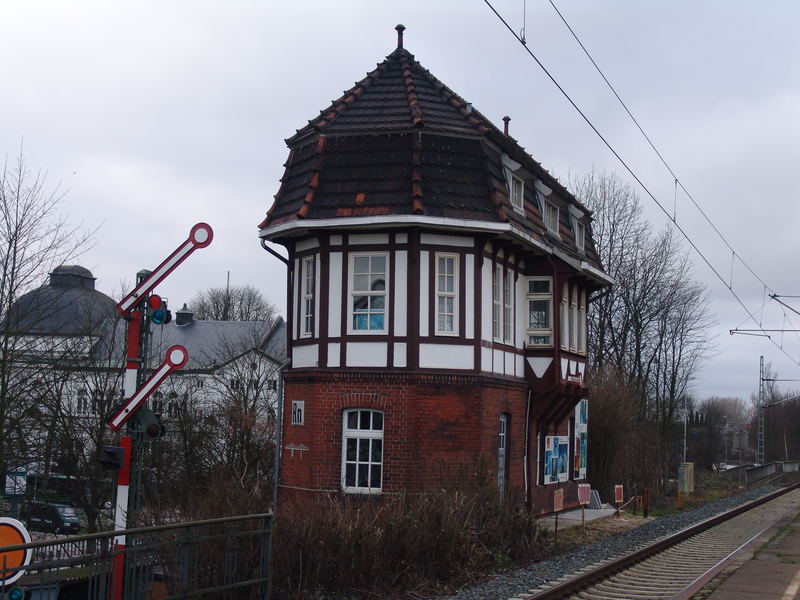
401,288
335,295
368,238
401,238
305,356
400,354
423,292
508,363
334,355
306,245
486,359
446,356
498,361
366,354
447,240
519,365
469,301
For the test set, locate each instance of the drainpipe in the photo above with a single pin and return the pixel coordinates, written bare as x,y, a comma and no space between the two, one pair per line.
279,434
526,459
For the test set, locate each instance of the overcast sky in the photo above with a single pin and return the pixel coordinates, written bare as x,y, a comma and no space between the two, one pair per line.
159,115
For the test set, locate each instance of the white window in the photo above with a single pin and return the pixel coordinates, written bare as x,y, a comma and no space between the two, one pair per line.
551,217
508,306
368,278
446,297
573,321
517,192
497,278
564,317
362,451
582,323
308,297
540,311
580,235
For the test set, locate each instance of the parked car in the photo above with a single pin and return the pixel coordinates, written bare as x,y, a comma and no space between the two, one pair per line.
55,518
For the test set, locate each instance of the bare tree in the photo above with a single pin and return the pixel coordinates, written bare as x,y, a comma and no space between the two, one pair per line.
654,324
233,303
34,238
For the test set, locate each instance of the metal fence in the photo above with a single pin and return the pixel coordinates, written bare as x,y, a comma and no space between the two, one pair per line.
223,559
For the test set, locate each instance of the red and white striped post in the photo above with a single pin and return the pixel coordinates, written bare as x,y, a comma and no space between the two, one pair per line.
121,516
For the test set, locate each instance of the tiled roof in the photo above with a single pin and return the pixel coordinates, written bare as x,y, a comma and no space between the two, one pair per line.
401,142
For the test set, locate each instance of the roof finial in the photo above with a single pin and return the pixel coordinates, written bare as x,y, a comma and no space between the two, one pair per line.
505,126
400,29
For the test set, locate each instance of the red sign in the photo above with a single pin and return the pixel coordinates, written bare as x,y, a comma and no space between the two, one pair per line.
13,533
558,500
619,496
584,493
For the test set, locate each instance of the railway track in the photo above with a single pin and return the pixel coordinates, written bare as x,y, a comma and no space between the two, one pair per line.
677,566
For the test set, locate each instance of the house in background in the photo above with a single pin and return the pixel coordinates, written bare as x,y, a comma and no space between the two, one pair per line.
438,283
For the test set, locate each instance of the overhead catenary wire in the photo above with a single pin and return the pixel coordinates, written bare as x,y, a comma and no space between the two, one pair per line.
639,181
734,254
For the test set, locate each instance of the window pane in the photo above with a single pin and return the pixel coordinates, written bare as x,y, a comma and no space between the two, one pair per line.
378,264
360,303
378,302
378,283
359,321
363,475
363,450
375,478
377,451
350,475
376,322
351,449
364,423
539,286
377,421
538,314
361,283
361,264
352,419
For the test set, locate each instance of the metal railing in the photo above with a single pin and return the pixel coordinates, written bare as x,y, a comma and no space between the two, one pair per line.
227,558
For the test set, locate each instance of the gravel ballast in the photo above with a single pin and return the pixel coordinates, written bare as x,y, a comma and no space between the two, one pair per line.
511,584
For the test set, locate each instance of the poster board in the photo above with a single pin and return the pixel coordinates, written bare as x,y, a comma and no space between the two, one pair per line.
581,439
556,458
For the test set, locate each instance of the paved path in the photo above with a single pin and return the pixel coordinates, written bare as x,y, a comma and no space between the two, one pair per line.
773,571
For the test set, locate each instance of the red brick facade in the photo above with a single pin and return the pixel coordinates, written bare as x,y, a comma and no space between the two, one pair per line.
432,424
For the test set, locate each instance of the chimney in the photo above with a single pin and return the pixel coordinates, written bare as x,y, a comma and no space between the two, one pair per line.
505,125
400,29
184,316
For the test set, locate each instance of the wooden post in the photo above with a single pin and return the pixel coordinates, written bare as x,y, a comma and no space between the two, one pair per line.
646,502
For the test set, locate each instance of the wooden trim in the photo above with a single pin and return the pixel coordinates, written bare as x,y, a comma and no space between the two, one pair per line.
391,277
412,350
324,296
345,292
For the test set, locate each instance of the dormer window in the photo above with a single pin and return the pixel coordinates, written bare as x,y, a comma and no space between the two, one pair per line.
580,235
551,217
517,192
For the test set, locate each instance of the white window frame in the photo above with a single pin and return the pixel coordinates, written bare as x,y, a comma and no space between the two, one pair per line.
443,294
353,293
573,320
533,296
551,217
497,302
580,235
508,306
564,317
357,459
582,323
517,192
308,283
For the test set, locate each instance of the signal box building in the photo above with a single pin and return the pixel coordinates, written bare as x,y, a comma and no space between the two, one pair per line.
438,284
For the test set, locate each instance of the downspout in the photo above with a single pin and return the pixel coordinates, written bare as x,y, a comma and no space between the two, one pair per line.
525,462
275,254
279,434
